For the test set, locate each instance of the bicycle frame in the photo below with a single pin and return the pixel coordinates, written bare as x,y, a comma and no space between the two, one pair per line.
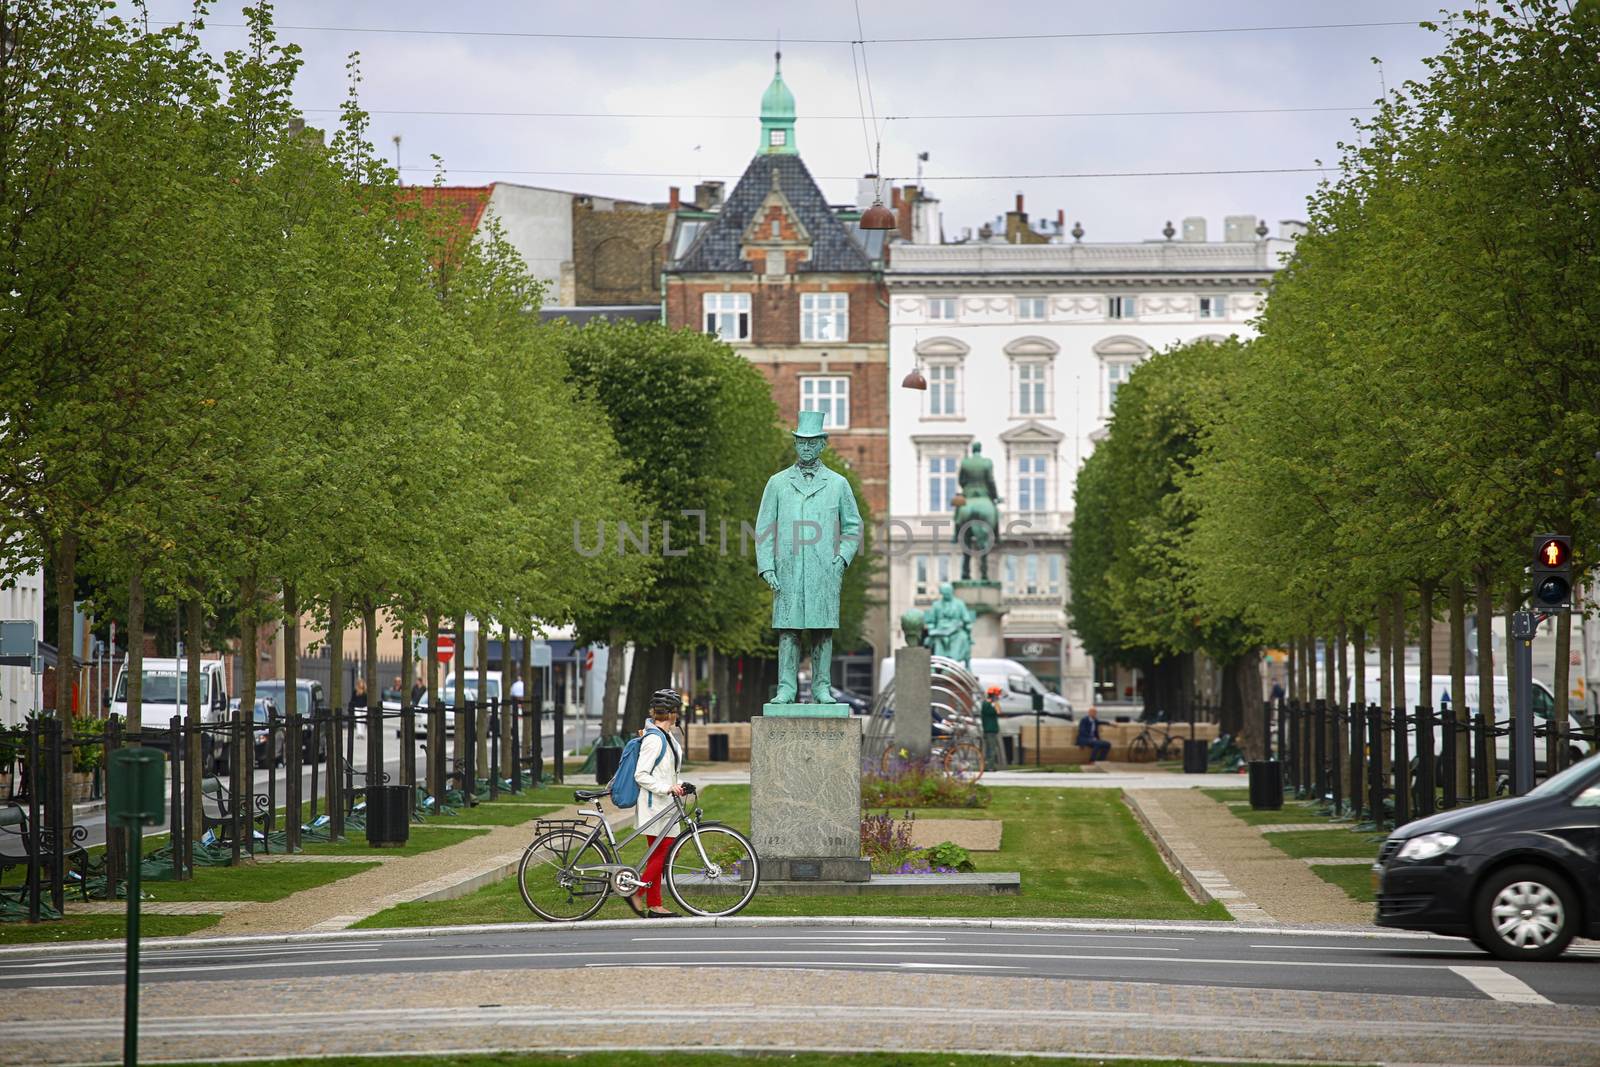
678,813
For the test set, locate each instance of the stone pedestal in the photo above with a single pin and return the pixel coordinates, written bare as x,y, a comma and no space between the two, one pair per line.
988,633
805,797
913,701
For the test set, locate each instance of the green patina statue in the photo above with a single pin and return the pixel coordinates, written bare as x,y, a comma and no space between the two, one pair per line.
949,623
978,515
807,532
911,626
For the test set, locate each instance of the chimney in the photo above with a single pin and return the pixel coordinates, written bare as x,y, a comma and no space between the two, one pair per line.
1061,220
866,191
894,198
1019,203
1238,229
672,198
1194,228
708,196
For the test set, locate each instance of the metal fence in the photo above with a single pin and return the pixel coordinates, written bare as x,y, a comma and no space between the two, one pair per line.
244,786
1390,766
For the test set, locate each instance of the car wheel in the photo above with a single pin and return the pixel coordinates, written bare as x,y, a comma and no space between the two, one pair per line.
1524,913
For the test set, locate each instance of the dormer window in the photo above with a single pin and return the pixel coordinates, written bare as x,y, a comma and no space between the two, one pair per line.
779,138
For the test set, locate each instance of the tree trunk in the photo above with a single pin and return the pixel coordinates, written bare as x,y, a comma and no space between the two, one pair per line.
1291,671
435,741
1458,685
1397,648
508,680
1358,637
616,656
64,564
193,625
135,720
1312,689
1484,786
1385,683
1555,742
244,725
1241,702
369,615
481,647
722,680
535,717
460,713
1425,694
1343,639
1513,604
336,700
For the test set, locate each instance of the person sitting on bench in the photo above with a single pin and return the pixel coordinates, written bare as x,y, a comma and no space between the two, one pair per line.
1089,738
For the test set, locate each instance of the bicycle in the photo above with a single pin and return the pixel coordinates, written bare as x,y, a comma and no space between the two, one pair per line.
568,870
1145,747
955,752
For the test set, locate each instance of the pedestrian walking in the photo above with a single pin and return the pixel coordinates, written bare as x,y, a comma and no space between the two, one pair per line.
660,755
994,753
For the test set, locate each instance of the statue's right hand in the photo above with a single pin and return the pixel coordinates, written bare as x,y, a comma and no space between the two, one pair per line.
771,579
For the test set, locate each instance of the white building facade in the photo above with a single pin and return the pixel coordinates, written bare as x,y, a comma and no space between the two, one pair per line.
1023,347
19,686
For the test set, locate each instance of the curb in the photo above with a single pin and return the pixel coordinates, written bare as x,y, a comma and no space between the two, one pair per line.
1178,867
405,933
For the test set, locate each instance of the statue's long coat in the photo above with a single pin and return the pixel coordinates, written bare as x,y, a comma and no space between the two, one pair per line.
808,580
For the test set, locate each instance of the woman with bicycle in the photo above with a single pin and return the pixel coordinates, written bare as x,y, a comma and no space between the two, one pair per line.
660,754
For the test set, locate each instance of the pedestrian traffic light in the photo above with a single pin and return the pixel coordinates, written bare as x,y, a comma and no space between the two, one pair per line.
1552,572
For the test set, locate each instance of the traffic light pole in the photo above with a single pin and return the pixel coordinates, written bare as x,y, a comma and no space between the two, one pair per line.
1523,625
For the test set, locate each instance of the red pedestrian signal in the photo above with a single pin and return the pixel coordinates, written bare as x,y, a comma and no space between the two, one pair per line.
1552,573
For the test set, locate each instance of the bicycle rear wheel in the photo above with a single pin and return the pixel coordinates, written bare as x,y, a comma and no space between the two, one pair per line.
1140,750
964,761
551,887
717,874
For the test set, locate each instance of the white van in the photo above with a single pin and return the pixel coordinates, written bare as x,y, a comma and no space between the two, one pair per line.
474,692
1017,685
166,691
1438,696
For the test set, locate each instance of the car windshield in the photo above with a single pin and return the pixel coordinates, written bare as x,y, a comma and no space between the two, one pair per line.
1559,784
163,687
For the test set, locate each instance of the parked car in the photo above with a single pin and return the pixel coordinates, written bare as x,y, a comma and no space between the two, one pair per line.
166,690
1520,877
309,700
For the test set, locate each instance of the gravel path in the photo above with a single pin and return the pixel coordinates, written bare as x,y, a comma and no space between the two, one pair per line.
752,1008
1210,841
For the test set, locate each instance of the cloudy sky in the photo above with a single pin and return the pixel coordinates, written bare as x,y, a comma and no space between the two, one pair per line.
658,112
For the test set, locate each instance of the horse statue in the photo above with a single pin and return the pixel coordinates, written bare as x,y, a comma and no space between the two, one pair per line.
977,517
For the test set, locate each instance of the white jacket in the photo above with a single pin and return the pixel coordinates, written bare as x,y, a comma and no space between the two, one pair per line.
655,786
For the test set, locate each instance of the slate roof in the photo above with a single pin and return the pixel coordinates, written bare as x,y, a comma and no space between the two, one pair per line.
833,250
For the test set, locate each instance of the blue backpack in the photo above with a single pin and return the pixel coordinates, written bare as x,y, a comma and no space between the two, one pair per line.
624,790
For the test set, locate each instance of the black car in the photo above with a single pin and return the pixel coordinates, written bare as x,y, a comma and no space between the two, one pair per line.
1520,877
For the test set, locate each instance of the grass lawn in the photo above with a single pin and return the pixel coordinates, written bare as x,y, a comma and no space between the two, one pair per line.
424,838
493,813
1356,881
102,928
1331,842
262,881
691,1058
1293,811
1079,851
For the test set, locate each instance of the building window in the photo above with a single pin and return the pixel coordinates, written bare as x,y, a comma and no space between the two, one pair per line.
1032,392
943,395
942,309
929,572
728,315
1117,372
941,482
778,138
824,316
1030,308
1033,483
1213,307
1032,574
831,396
1121,307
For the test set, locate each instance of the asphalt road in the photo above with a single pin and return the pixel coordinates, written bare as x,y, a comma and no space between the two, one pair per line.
1397,965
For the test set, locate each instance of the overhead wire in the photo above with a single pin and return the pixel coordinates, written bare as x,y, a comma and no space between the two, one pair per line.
942,177
744,117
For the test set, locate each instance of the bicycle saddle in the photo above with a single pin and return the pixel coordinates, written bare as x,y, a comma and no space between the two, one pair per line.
581,795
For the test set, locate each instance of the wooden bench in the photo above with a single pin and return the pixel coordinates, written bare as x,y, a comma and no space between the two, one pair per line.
16,848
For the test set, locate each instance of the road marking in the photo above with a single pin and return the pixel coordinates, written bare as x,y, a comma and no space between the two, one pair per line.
1370,948
1499,985
712,960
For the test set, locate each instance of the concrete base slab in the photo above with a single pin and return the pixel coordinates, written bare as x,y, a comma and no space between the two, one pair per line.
820,869
898,885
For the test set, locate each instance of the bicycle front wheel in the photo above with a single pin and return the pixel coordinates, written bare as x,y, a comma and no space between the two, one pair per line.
713,870
552,884
964,761
1141,751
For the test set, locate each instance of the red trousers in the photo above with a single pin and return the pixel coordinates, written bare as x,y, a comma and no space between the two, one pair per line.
652,870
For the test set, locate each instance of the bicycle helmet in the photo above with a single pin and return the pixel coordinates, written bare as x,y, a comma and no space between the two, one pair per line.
665,700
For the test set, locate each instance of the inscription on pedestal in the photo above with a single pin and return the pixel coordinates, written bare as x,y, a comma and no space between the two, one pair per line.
805,787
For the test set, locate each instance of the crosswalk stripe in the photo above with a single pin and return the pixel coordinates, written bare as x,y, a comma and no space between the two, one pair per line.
1498,985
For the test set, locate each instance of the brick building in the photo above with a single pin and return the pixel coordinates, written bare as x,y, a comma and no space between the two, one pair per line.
795,285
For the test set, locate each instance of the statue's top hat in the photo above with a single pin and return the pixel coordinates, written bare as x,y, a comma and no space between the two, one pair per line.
810,425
